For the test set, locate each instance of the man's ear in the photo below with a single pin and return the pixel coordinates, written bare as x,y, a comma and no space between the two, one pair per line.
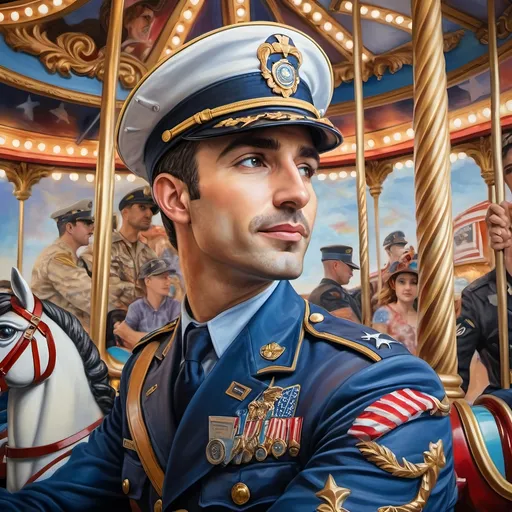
171,195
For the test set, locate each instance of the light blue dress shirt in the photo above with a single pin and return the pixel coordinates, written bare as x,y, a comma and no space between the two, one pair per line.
226,326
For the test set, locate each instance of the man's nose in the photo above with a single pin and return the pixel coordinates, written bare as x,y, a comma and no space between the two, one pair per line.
290,188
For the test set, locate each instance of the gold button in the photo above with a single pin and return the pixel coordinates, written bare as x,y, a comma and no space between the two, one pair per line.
240,493
158,506
316,317
126,486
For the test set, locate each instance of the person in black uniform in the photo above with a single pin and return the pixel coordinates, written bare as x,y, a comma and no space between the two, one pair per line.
477,325
330,294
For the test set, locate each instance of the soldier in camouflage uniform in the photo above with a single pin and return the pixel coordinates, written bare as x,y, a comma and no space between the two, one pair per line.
128,252
57,275
330,294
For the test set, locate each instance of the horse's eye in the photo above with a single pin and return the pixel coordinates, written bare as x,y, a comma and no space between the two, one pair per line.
6,332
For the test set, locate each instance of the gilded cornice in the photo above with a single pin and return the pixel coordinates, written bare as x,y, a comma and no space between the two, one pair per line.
481,151
71,52
503,27
391,61
376,173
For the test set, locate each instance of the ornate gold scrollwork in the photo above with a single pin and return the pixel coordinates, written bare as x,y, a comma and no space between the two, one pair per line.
71,52
392,61
433,461
503,27
24,176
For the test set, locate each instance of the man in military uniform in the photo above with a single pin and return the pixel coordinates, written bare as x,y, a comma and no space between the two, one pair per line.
394,245
57,275
253,399
477,325
128,252
330,294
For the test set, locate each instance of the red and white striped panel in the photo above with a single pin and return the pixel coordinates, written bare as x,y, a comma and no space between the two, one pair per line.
391,411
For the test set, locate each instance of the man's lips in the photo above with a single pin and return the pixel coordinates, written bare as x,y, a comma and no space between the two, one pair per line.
288,232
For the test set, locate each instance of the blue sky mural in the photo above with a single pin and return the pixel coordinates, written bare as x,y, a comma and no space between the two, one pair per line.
336,219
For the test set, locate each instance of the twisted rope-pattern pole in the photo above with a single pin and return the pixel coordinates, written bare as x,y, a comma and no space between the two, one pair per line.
436,309
360,169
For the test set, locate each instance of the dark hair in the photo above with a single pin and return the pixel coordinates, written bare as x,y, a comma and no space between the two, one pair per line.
95,369
61,226
181,163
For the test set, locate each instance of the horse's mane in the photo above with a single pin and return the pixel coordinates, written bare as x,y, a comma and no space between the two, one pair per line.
95,369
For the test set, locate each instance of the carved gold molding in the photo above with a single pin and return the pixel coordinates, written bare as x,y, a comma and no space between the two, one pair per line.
391,61
503,27
71,52
376,173
24,176
481,151
473,68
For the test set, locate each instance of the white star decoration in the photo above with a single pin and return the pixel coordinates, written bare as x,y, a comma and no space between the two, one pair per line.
28,108
378,342
60,113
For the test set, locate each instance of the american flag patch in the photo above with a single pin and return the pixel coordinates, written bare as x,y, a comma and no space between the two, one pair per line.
391,411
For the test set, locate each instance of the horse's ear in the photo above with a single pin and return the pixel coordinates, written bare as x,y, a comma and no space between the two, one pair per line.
22,290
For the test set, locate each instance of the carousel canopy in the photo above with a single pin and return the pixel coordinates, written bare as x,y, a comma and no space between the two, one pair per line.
52,61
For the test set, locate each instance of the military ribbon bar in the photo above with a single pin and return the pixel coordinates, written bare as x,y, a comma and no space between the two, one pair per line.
391,411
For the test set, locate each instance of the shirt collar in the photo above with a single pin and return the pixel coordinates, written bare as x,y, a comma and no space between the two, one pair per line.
226,326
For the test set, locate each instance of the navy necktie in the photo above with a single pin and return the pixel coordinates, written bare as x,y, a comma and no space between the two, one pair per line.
197,344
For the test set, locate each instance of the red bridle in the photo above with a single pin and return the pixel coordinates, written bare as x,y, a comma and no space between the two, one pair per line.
26,339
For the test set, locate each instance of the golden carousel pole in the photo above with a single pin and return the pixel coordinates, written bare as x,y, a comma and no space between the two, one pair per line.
104,192
436,309
23,176
376,173
501,277
360,168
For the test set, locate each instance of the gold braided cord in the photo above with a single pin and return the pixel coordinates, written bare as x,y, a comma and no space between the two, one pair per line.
436,311
433,461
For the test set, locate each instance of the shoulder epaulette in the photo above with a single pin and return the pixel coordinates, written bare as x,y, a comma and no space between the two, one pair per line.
65,258
160,335
478,283
359,338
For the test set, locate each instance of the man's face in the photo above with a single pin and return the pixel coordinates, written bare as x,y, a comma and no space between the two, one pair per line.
138,216
507,169
81,231
257,205
344,273
396,250
139,28
160,284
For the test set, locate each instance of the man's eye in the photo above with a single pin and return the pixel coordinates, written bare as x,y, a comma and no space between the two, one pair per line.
251,162
307,171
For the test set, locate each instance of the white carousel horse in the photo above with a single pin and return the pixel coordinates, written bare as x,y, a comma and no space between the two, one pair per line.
58,385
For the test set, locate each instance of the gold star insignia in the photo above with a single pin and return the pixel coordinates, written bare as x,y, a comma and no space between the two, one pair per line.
333,495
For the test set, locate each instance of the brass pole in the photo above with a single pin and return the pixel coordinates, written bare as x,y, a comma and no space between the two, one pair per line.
436,308
360,169
21,230
499,184
377,241
104,191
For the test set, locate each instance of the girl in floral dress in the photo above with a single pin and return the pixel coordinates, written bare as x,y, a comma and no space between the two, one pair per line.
397,315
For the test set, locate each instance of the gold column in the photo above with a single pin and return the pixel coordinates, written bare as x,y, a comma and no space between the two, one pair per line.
104,192
21,229
376,172
23,176
436,310
501,276
360,180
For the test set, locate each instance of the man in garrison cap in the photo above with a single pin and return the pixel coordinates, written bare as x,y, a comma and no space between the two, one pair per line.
57,275
128,253
394,245
330,294
253,399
